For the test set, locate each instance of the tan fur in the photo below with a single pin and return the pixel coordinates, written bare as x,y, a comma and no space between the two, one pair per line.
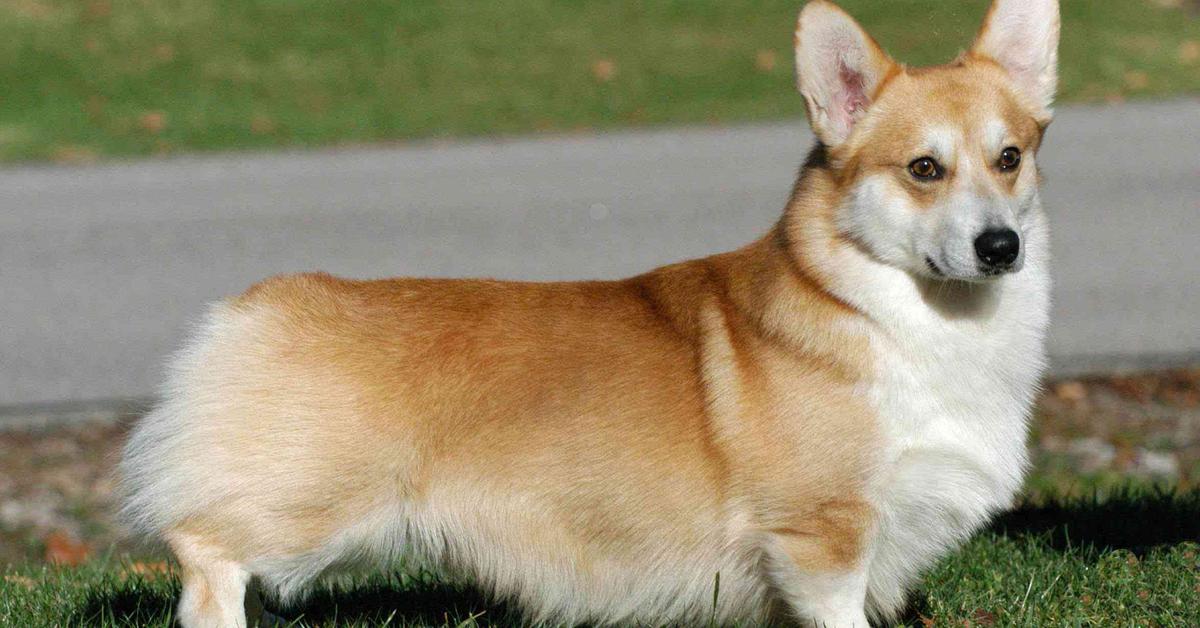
576,426
679,382
701,384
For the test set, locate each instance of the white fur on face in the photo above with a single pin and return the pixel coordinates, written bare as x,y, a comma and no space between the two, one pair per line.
881,215
942,144
995,134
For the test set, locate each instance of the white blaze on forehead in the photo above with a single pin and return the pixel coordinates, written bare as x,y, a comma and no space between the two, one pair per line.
995,136
941,143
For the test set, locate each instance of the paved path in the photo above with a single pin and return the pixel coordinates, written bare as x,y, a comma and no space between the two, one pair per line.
101,268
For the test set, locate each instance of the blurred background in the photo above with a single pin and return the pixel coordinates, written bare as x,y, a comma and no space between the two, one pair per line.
156,155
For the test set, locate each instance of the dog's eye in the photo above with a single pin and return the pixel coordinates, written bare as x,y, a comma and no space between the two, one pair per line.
1010,158
925,168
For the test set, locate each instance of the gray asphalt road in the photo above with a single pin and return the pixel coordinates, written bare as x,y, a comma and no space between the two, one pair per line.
101,268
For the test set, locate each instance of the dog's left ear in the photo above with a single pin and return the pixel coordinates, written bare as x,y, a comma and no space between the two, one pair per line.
1022,36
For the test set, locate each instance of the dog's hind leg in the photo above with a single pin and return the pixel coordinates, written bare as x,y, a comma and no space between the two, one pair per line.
214,587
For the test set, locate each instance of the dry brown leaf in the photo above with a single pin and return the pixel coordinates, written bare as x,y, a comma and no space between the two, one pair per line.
149,571
62,549
164,52
766,60
603,70
73,155
1137,388
1189,52
97,9
153,122
262,125
1071,391
1135,79
24,581
94,106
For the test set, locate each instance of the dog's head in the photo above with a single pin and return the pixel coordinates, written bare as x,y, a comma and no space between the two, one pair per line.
937,164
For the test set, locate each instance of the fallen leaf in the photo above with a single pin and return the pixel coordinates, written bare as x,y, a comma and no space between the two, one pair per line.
1071,391
1135,79
262,125
149,571
1189,52
94,106
927,622
97,9
31,8
62,549
164,52
983,618
153,122
765,60
604,70
73,155
24,581
1140,389
1086,598
1143,594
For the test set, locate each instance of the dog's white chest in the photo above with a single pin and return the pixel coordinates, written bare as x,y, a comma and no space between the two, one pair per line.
953,392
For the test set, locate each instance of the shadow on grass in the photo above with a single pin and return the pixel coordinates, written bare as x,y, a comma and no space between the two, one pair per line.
132,606
372,603
377,602
1131,519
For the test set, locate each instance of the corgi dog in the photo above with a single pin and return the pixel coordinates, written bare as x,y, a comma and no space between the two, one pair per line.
811,420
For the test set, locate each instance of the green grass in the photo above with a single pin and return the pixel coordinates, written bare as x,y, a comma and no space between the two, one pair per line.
88,78
1130,559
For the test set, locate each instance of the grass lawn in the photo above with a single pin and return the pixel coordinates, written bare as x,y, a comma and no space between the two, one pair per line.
1131,559
93,78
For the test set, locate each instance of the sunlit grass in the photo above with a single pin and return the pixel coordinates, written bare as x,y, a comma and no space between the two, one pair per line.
89,78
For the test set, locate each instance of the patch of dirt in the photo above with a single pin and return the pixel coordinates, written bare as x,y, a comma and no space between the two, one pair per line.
1144,426
57,489
57,482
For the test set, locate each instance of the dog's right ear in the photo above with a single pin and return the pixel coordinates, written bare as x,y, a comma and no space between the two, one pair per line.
838,69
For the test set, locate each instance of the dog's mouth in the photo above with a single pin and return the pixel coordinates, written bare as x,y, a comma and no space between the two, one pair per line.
933,267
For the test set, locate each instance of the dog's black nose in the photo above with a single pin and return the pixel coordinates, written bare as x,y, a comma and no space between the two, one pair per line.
998,247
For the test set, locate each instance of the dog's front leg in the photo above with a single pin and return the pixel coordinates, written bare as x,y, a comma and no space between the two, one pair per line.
820,593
